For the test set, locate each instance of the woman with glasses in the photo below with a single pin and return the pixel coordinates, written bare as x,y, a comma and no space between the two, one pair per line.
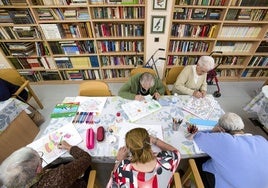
193,78
140,85
23,168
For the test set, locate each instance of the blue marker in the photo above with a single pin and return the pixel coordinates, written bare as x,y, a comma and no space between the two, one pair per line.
83,115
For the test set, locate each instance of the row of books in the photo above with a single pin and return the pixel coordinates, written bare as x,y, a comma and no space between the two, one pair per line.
189,30
120,46
247,14
201,2
21,16
255,73
263,47
80,75
77,62
258,61
13,2
249,3
121,60
188,46
233,46
197,14
62,14
84,2
240,31
228,72
116,73
118,30
181,60
33,63
119,12
19,32
72,47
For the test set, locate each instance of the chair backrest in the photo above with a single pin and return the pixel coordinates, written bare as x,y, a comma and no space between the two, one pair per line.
94,88
171,77
12,76
92,179
142,70
177,180
192,172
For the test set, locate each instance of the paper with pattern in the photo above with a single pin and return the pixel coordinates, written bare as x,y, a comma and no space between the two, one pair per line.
202,107
91,104
138,109
48,143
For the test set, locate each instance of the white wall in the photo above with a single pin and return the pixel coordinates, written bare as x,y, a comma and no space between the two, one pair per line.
152,46
3,62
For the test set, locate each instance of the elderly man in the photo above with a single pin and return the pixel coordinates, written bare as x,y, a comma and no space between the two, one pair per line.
193,78
235,159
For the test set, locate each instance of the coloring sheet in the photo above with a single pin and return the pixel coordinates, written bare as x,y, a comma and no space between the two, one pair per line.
91,104
48,143
154,130
138,109
202,108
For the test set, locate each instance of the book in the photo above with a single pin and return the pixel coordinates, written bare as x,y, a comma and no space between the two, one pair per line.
47,145
64,110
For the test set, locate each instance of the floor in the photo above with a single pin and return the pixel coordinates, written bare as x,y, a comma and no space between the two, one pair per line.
234,96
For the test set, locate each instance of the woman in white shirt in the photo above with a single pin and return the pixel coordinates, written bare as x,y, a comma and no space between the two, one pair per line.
193,78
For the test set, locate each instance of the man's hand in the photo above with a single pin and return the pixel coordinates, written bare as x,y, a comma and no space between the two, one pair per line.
198,94
156,96
64,145
139,98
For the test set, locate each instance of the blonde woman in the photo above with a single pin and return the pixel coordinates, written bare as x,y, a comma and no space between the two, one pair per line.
143,168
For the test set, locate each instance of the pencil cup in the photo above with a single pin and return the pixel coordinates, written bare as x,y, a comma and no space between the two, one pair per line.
175,124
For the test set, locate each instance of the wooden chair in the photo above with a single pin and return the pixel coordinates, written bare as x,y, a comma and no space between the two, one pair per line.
92,179
94,88
192,173
13,76
142,70
171,77
176,180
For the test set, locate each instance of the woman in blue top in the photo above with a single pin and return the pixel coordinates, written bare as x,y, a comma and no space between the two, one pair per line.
237,160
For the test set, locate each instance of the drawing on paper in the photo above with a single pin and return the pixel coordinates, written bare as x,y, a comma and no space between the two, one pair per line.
91,104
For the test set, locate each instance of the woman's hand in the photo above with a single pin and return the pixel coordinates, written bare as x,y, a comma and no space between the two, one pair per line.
64,145
218,128
122,153
156,95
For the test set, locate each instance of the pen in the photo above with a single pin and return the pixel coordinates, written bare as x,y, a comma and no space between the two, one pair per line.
84,117
60,139
76,117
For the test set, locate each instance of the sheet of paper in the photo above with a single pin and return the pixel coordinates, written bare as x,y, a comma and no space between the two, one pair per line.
203,124
48,143
91,104
155,130
202,108
138,109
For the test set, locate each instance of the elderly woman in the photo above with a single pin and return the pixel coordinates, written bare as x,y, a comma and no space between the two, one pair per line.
144,168
140,85
235,159
23,168
193,78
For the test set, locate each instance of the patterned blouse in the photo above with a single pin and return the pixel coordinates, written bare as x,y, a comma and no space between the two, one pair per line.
126,176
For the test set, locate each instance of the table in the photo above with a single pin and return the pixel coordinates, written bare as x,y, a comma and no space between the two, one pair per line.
259,106
106,151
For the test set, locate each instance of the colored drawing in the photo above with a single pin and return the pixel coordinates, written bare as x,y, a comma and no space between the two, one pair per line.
91,104
138,109
48,144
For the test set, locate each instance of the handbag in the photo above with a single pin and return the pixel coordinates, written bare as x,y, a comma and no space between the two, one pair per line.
35,115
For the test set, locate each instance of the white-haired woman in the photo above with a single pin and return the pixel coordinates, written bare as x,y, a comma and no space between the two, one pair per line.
23,169
235,159
193,78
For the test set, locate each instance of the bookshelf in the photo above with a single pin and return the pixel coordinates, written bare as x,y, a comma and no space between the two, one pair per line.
238,28
73,40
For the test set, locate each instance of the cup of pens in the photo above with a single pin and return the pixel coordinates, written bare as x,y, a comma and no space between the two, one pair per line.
176,124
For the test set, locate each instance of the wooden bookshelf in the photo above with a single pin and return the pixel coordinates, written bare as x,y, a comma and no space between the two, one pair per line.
238,28
74,40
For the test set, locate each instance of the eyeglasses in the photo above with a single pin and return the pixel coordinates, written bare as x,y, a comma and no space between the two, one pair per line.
41,154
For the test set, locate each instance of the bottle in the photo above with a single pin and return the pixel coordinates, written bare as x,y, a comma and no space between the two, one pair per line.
118,117
175,98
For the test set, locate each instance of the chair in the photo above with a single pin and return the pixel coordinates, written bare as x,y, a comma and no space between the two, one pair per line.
13,76
92,179
192,172
142,70
94,88
171,77
176,180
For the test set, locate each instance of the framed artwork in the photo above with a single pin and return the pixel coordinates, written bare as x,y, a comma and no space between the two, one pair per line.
158,24
160,4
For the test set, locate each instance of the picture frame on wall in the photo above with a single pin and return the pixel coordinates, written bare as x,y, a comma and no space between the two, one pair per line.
160,4
158,24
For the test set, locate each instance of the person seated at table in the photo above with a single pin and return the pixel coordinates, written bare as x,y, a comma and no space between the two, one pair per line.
140,85
7,89
23,168
193,78
143,168
235,159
